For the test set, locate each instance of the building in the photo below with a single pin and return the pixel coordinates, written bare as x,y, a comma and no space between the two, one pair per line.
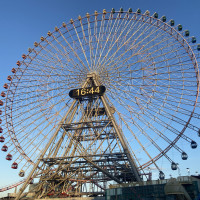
182,188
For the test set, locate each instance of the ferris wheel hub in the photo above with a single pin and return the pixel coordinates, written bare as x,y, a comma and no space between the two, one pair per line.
92,75
94,78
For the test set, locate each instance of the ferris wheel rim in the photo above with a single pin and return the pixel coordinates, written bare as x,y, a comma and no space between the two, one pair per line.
19,148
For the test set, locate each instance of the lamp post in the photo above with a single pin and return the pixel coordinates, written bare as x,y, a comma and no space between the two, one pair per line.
179,171
188,170
150,174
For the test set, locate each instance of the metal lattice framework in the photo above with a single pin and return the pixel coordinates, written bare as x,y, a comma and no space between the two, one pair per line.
150,70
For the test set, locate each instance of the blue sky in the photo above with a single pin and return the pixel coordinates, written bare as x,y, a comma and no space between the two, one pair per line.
24,22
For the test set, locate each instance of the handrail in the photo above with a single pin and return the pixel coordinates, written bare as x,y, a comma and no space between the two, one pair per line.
12,186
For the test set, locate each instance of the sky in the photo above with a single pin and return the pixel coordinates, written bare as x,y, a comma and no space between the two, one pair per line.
23,22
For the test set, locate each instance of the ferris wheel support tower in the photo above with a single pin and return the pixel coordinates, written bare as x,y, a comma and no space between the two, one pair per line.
121,168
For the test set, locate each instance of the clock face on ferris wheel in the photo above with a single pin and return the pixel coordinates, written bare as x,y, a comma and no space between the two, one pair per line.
88,91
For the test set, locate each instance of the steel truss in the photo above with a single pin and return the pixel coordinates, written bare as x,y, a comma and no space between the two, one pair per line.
95,154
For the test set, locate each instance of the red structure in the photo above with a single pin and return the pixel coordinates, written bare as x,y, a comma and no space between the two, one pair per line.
4,148
5,86
18,63
2,139
13,70
9,157
14,165
24,56
3,94
9,78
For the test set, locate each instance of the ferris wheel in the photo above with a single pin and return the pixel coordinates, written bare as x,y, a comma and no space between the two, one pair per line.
147,65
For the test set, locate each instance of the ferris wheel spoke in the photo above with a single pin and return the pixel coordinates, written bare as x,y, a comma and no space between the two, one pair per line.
121,32
46,58
166,46
173,100
177,119
158,62
49,68
172,107
114,41
143,148
43,85
72,49
119,98
98,36
152,140
39,111
37,119
152,58
91,45
40,141
33,139
38,106
173,130
71,64
160,91
70,60
132,47
101,46
162,122
162,47
44,94
133,153
123,90
175,146
170,53
153,128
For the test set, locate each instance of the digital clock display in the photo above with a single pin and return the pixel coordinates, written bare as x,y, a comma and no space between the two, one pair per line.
89,91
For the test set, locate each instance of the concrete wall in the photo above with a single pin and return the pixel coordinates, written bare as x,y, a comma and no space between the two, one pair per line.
77,198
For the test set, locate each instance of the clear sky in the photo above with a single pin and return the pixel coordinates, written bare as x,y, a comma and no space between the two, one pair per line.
23,22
